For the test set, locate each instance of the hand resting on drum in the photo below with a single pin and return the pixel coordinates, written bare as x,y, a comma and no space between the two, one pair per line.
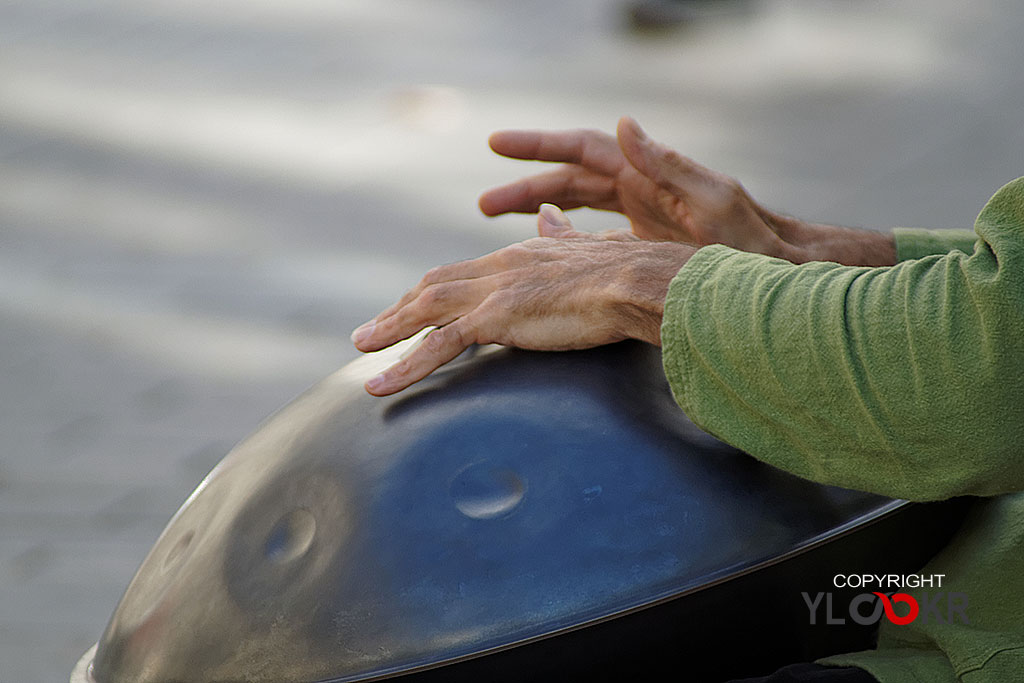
563,290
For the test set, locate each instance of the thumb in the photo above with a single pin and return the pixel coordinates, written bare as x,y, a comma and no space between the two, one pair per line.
662,165
552,222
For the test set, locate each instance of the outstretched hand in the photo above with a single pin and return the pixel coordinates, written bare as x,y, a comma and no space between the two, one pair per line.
563,290
666,196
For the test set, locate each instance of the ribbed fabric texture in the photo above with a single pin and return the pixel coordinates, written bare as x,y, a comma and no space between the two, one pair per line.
906,381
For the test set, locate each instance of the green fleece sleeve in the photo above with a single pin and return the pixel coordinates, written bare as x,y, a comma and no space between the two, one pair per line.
913,243
906,381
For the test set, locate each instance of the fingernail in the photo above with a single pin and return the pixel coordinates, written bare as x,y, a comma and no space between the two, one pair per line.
375,383
554,215
363,332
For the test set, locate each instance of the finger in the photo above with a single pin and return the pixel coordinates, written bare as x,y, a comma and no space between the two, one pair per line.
569,187
618,235
663,165
437,348
435,305
462,270
591,148
552,222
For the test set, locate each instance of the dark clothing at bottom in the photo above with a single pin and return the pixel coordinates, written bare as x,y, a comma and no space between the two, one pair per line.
814,673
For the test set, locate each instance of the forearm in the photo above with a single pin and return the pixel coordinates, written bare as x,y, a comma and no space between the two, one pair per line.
905,381
857,247
848,376
820,242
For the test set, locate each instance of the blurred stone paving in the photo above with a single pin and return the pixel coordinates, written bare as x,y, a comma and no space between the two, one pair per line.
199,200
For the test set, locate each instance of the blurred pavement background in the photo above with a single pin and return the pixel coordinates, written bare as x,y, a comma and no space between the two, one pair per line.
200,199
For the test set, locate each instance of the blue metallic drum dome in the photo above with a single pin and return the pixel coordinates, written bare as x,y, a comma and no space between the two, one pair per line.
515,516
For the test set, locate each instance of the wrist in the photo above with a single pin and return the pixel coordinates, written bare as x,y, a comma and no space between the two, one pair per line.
852,247
638,295
820,242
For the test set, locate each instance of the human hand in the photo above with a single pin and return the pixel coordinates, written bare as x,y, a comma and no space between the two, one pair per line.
666,196
563,290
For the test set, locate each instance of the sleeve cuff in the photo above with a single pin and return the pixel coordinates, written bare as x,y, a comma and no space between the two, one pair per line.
675,341
915,243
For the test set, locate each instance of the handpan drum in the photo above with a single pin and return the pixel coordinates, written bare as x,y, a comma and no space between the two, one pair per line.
515,516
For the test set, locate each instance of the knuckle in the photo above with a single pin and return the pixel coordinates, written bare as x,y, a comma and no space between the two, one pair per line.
527,247
591,136
499,301
383,328
445,339
400,370
434,296
464,333
733,189
514,253
436,341
669,156
572,186
433,275
585,142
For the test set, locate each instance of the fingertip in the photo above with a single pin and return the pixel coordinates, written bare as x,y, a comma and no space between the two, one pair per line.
486,205
631,138
639,149
377,386
552,222
362,333
628,125
554,215
513,197
497,139
499,200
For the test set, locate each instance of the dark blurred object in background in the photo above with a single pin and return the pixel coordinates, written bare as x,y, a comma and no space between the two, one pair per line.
667,14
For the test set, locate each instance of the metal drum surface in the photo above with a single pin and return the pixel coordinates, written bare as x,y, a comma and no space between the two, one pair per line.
510,498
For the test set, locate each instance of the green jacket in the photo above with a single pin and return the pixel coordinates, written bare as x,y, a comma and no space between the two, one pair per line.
906,381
